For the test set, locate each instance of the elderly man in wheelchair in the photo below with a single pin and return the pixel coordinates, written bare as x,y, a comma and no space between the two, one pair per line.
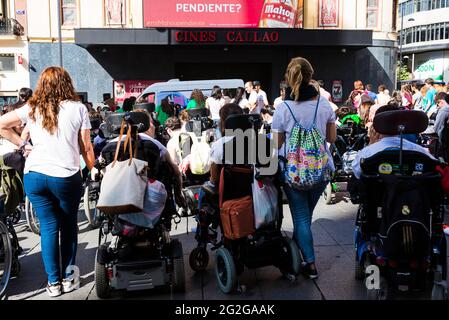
399,240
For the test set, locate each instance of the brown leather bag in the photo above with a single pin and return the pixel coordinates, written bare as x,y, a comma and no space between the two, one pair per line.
237,218
237,215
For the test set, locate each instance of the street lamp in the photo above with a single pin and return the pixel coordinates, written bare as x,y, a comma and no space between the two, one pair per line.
401,41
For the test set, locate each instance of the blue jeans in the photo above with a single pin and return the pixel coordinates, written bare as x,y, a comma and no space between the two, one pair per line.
56,201
302,204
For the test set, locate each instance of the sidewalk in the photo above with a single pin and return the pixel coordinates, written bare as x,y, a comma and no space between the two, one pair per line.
333,231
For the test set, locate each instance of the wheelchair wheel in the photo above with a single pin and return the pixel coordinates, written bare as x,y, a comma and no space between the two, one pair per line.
90,207
439,291
225,271
6,258
102,286
199,259
289,259
32,220
17,214
327,194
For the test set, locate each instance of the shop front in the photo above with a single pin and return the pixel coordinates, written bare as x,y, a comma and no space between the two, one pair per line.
249,54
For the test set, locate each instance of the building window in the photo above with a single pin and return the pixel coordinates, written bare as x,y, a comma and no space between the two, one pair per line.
372,14
69,14
7,62
115,12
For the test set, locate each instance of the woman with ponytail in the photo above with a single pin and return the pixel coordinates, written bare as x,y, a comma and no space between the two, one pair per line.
60,131
306,108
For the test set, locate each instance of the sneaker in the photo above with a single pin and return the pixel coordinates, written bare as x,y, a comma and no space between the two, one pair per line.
54,290
68,285
310,273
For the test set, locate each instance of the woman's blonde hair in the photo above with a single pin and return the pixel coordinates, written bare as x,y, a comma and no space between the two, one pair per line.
53,87
299,73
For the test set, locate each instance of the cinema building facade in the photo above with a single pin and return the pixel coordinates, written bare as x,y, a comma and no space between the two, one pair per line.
138,42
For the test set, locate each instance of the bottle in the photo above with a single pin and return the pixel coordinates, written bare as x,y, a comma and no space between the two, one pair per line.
279,13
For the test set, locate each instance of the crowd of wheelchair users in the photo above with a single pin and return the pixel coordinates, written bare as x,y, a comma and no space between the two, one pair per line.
304,127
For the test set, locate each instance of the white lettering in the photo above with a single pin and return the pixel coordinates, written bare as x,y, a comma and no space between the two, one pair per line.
208,8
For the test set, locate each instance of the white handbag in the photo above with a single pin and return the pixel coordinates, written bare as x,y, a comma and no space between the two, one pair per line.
265,201
124,182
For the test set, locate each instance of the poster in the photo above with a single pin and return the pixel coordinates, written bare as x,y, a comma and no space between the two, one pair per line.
126,88
223,13
337,91
328,13
115,12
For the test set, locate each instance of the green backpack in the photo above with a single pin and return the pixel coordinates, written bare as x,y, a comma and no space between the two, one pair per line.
11,186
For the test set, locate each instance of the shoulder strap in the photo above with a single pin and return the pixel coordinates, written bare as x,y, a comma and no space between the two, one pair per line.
316,110
289,109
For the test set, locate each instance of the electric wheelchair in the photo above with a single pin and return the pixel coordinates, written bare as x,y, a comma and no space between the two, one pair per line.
265,246
146,257
399,226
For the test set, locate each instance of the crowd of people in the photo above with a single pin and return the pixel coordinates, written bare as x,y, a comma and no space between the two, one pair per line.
58,127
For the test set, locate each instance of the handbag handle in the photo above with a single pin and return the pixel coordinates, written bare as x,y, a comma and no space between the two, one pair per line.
117,149
128,142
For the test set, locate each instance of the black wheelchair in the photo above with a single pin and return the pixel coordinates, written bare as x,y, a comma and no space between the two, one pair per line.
399,226
266,246
147,258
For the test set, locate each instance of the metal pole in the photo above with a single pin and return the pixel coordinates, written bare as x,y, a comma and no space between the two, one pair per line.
59,32
400,46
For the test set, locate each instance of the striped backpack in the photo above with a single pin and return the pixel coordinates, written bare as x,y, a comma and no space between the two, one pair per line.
306,157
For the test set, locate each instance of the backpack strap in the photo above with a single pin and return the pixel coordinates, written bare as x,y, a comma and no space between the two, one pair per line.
291,112
316,110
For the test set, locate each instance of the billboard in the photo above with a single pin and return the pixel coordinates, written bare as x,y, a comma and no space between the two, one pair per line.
127,88
223,13
328,13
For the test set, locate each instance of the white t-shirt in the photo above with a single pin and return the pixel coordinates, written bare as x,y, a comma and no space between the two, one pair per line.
6,146
277,102
252,100
173,146
243,103
216,152
304,112
56,155
214,107
262,101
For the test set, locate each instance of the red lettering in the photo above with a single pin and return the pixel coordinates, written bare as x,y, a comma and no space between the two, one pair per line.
230,36
203,36
274,36
193,37
256,37
266,37
239,37
212,36
179,36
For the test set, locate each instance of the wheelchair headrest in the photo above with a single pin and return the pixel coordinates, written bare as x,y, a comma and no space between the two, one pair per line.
95,123
199,112
149,106
244,122
413,122
138,120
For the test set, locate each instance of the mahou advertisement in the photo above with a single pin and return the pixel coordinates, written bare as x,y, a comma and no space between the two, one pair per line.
223,13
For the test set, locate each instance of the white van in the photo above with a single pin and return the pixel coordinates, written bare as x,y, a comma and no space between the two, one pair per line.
179,92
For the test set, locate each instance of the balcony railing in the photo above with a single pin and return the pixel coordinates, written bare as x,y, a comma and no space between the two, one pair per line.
11,27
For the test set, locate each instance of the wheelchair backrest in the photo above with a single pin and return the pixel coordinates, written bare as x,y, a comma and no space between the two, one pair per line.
139,121
387,162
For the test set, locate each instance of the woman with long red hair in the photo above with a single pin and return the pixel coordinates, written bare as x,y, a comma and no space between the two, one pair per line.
60,131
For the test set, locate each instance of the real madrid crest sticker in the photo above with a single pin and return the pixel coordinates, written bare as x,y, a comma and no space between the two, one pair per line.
385,168
405,210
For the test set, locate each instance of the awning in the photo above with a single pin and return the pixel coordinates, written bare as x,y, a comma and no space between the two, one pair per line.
260,37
